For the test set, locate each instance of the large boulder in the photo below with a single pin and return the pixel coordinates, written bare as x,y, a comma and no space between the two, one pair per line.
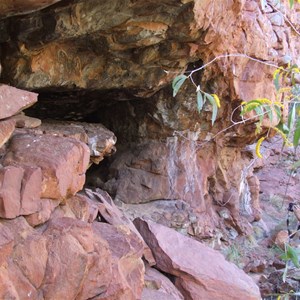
200,272
76,260
63,162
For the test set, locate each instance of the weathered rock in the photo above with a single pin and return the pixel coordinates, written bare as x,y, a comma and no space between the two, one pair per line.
158,286
7,127
112,215
46,207
31,190
11,8
100,140
127,278
23,121
200,271
10,187
13,100
63,162
74,261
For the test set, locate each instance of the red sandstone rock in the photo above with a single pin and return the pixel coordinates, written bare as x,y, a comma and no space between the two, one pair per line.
10,187
100,140
201,272
83,208
111,214
31,190
128,268
69,259
159,287
13,100
6,243
7,127
46,207
23,121
63,162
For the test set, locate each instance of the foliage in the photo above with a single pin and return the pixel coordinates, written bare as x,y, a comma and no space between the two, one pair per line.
288,93
202,97
290,255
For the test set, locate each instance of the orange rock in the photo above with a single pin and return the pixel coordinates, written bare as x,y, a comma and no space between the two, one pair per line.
200,272
63,162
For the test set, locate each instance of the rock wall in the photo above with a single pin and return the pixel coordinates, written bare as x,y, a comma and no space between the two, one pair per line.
113,63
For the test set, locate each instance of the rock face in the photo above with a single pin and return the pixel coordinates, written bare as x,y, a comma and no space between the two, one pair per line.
67,249
63,162
200,272
87,65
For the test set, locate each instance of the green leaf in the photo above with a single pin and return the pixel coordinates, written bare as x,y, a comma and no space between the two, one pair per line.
177,83
278,111
269,112
214,107
250,106
295,165
200,101
276,81
293,256
260,113
291,3
292,117
296,134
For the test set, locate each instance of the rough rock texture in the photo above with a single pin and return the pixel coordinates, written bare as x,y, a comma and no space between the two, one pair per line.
13,100
100,140
7,127
159,287
63,162
199,270
18,7
76,260
87,64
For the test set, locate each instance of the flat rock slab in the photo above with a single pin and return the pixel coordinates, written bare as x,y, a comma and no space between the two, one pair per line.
63,162
13,100
201,272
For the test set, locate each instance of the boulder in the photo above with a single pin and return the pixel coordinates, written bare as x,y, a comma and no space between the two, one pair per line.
69,259
200,272
127,278
13,100
10,187
111,214
63,162
100,140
